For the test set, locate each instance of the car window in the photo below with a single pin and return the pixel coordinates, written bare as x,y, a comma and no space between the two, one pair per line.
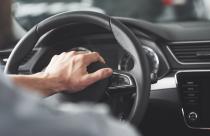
30,12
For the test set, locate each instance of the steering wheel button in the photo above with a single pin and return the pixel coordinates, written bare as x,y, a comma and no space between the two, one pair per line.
120,80
124,81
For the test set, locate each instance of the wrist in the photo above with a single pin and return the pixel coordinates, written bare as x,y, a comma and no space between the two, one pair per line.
44,83
52,83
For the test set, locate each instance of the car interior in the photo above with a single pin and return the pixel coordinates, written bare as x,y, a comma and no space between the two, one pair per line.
161,68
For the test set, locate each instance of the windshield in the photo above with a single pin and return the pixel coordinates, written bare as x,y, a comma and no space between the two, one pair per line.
30,12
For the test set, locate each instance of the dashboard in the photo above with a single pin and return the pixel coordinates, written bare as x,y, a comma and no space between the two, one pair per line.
100,41
170,48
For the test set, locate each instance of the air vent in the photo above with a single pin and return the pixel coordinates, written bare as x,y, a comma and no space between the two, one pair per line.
191,52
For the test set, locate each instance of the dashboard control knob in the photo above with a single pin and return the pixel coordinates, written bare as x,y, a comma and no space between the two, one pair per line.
193,116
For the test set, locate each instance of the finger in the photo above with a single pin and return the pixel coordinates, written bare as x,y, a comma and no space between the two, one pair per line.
83,52
63,53
93,57
54,57
98,75
80,52
73,53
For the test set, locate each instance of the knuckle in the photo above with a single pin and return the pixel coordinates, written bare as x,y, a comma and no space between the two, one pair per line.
73,52
63,53
81,58
96,53
74,60
54,57
68,55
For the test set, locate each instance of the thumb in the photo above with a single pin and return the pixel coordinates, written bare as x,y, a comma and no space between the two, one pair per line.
98,75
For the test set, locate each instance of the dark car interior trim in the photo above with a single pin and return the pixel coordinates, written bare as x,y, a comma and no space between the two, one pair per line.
164,113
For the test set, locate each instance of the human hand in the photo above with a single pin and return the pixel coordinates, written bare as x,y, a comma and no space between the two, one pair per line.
68,71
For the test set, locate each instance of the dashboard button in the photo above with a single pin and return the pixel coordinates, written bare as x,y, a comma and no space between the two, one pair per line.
192,116
190,82
191,95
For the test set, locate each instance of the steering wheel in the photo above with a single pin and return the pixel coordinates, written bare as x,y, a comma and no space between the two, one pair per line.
138,77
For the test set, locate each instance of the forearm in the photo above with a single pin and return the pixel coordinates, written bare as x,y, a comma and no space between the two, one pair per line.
38,82
67,71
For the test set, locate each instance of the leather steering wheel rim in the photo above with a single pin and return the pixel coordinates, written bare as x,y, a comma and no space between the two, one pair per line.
122,34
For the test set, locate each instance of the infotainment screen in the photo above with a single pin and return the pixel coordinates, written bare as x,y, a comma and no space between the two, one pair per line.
194,94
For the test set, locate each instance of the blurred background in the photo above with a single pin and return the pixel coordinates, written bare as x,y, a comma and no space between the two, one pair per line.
30,12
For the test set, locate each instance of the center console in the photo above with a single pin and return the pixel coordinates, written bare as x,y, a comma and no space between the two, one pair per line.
194,93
